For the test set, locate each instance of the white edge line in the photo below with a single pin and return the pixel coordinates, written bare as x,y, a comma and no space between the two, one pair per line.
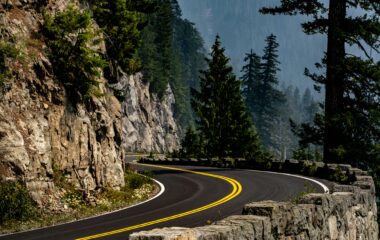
162,190
325,188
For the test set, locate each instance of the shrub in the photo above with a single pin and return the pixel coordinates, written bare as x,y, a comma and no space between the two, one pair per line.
340,176
76,59
135,181
302,154
7,51
15,202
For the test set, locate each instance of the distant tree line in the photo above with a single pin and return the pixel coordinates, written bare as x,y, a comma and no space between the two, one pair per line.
274,109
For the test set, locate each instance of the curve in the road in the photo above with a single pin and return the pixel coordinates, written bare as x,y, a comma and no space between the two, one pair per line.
184,191
323,186
162,190
236,190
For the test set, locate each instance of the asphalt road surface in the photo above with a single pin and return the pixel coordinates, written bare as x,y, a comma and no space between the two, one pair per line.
184,191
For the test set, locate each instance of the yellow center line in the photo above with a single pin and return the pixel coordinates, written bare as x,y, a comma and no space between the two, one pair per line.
237,188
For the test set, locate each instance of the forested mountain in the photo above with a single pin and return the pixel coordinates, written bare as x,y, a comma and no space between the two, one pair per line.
242,27
172,53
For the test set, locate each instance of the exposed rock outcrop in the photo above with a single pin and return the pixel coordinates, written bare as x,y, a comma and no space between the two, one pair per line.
148,122
42,133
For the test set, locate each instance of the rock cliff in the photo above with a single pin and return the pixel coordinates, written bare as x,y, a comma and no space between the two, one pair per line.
148,122
43,134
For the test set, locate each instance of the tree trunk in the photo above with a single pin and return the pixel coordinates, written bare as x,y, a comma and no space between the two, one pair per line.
334,80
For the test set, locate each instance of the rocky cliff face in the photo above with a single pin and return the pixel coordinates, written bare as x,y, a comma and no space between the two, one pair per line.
43,134
148,122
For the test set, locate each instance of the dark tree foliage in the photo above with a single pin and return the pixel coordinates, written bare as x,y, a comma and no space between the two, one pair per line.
76,59
172,54
351,128
7,51
192,144
121,22
222,117
260,89
251,80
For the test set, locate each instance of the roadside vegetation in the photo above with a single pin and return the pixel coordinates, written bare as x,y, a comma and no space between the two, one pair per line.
74,51
18,211
308,188
15,202
8,53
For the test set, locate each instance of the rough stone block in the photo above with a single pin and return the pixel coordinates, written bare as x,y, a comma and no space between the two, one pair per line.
174,233
344,188
265,208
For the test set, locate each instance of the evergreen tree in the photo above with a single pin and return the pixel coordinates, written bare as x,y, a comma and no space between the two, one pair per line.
172,54
121,22
297,98
306,98
251,80
268,99
309,107
191,144
351,127
76,58
222,116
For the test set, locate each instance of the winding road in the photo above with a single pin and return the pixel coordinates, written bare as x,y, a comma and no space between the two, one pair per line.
193,196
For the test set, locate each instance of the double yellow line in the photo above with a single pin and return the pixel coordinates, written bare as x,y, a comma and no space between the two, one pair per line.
236,190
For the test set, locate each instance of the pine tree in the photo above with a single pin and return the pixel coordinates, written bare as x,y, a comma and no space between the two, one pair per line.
268,98
251,80
306,98
222,116
351,126
309,107
297,98
172,54
191,144
121,22
76,58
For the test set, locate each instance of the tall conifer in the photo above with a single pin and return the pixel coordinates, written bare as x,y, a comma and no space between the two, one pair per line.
222,117
351,123
251,80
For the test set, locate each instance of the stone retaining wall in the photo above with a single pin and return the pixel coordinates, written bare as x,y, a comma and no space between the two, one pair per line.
349,212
